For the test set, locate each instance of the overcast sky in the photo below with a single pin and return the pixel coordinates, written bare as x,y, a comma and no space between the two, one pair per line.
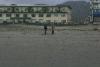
35,1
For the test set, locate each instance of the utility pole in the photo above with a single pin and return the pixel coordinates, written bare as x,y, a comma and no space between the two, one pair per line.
91,11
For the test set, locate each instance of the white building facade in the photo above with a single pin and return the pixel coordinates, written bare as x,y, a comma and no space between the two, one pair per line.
95,10
35,14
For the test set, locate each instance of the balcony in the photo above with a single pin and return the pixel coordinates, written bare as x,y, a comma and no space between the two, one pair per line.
96,8
95,1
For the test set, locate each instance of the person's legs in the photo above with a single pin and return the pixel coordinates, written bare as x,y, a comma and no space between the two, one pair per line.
45,31
52,31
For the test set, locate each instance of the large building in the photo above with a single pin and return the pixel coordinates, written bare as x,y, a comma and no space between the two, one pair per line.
95,10
38,13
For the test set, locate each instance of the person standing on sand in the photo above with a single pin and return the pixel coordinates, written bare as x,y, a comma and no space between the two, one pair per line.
45,29
52,28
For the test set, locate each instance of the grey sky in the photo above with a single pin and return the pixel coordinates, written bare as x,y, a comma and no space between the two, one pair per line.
36,1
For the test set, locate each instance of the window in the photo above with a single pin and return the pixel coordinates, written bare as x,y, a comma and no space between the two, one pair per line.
55,21
33,15
56,15
25,15
8,15
40,20
63,21
48,21
17,15
9,9
48,15
63,15
0,15
33,20
40,15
